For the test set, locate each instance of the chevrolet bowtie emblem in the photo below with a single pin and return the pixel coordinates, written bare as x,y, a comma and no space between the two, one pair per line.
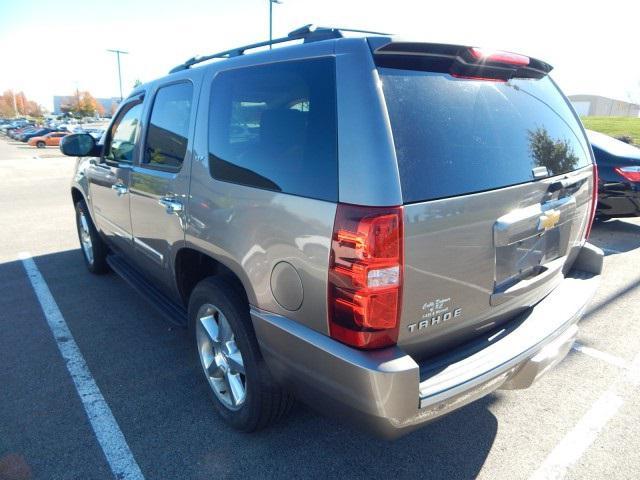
548,219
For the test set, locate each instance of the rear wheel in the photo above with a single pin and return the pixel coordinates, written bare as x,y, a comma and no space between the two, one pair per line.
94,249
243,390
40,144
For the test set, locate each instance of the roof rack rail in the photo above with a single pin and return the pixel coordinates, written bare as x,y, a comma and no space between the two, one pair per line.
308,33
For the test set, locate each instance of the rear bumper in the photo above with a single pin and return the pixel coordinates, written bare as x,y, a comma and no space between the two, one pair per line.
621,201
390,394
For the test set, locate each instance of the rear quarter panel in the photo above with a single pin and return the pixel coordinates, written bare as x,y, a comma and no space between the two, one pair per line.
250,230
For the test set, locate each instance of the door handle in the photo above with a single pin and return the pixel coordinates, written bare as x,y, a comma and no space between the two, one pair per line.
120,188
171,205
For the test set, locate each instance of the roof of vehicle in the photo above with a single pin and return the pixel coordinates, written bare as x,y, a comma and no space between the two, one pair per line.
307,33
384,43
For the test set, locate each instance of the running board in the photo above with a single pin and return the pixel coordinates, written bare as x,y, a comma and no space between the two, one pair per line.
170,310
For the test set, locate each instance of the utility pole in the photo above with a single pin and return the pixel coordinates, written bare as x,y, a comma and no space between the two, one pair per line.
271,2
15,105
118,52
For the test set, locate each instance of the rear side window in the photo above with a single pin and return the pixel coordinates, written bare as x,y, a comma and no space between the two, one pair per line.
274,127
454,136
168,130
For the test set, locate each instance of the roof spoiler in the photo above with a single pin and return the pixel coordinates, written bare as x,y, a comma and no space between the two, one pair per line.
458,60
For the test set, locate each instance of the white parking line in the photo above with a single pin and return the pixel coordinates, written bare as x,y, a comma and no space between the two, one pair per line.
105,427
604,356
580,438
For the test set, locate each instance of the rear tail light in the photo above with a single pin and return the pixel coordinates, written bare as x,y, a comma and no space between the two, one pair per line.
594,202
630,173
365,276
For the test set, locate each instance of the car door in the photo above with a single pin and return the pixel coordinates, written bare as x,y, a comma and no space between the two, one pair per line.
160,181
109,177
54,138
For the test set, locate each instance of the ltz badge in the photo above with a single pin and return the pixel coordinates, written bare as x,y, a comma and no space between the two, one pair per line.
434,313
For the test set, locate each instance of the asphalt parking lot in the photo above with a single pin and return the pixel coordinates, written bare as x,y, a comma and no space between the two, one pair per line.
581,421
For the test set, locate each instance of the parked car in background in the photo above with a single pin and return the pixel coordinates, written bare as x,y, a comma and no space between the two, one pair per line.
51,139
15,124
15,133
307,223
38,132
619,176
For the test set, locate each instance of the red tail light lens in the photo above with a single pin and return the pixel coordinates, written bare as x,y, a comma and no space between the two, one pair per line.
594,202
630,173
365,276
498,56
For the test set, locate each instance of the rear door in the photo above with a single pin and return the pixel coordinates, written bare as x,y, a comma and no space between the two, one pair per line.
109,177
496,181
160,181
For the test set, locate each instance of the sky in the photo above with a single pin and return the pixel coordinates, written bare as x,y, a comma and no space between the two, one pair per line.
51,48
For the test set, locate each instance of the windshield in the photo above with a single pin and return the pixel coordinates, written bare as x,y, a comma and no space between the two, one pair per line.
455,136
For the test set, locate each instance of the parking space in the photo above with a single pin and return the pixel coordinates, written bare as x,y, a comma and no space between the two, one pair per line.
148,376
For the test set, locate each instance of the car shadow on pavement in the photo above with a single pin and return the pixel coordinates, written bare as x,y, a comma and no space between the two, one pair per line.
615,236
150,377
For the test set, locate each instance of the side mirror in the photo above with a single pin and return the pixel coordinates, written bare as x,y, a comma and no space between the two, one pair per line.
78,145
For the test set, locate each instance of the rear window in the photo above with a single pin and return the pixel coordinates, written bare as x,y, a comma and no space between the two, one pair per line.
274,127
454,136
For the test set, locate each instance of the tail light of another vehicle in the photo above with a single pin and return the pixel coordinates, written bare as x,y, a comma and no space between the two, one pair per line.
631,174
365,276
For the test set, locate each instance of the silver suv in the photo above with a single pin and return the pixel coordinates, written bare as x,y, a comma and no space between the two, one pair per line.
384,229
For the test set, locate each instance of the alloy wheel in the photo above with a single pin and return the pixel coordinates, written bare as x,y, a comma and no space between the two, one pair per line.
85,237
220,357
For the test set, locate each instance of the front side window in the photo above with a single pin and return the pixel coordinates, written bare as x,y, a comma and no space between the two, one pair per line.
274,127
168,130
124,136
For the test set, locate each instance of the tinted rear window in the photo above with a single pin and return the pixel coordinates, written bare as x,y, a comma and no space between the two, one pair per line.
456,136
274,127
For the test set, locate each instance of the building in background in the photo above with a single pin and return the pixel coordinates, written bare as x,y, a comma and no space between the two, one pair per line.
109,104
595,105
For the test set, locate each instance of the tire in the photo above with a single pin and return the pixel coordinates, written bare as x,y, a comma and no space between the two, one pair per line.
94,250
218,300
41,144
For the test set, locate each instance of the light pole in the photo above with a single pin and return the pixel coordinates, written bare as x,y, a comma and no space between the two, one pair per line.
118,52
271,2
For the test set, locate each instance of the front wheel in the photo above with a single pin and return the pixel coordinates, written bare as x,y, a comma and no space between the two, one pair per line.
94,249
243,390
40,144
